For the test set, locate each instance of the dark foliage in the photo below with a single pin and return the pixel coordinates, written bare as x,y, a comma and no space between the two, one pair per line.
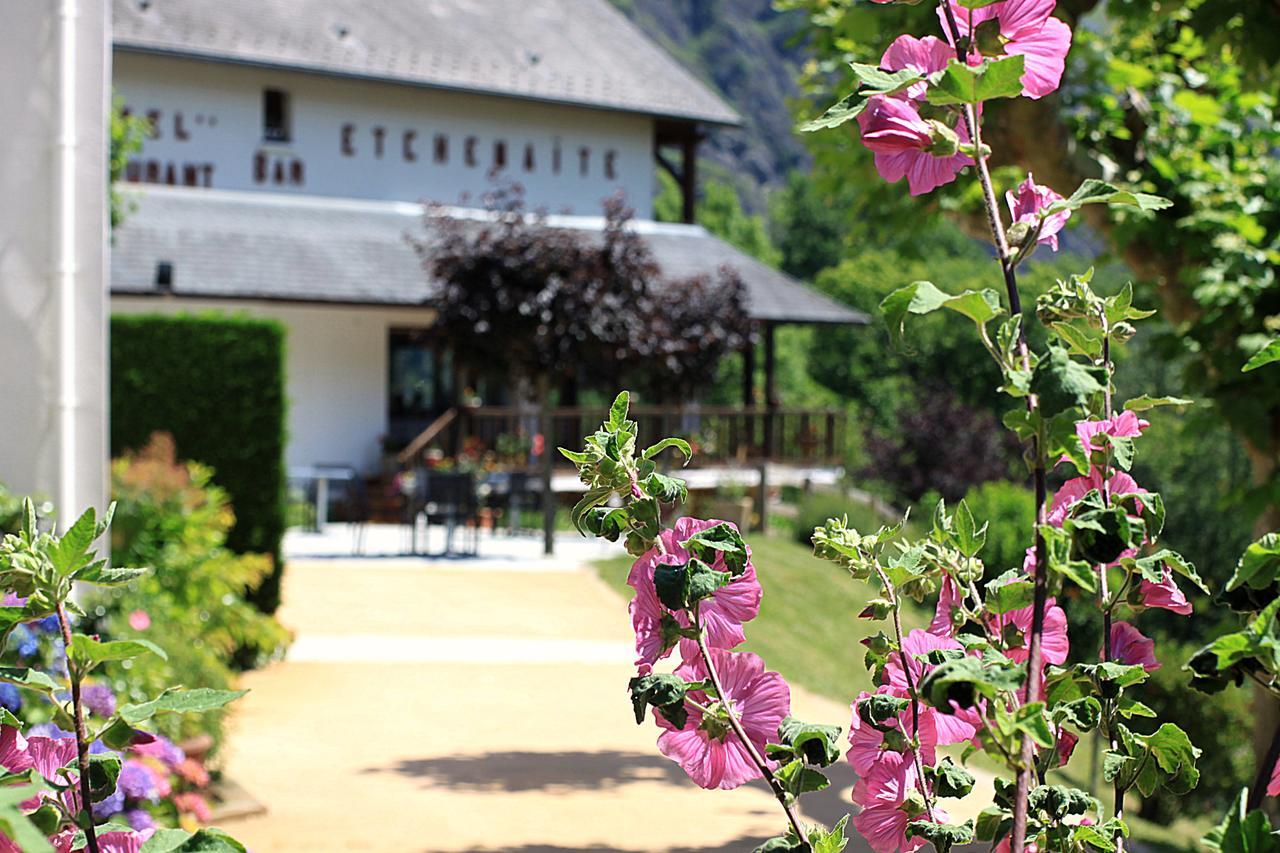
216,384
940,444
524,301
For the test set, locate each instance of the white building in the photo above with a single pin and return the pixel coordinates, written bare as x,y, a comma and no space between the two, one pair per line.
293,142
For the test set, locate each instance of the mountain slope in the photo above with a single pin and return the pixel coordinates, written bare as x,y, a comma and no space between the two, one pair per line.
748,53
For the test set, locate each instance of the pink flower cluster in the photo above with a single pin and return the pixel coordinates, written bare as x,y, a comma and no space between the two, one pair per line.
908,143
706,746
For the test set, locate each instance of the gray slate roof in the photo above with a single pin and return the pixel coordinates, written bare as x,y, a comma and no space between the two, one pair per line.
267,246
569,51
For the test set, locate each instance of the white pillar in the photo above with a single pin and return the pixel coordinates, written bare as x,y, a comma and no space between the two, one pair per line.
54,95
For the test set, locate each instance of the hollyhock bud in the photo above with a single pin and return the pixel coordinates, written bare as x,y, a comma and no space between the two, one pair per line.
1025,207
944,142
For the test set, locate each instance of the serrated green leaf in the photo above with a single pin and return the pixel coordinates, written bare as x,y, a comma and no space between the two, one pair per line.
961,83
1094,191
872,81
88,650
678,443
1145,402
1268,354
174,701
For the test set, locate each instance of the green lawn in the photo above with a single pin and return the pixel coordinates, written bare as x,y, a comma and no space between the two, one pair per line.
808,628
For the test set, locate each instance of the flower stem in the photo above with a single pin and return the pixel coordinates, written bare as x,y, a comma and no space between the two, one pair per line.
756,758
895,608
1041,590
82,734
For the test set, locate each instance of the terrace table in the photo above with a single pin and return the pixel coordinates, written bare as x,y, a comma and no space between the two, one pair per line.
321,476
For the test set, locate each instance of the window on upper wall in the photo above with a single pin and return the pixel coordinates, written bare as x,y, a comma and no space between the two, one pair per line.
275,115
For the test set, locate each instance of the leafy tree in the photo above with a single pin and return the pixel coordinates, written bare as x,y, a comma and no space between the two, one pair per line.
719,211
127,133
536,306
1175,97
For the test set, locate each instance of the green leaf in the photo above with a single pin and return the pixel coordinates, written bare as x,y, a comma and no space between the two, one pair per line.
833,841
679,586
195,701
206,840
678,443
1243,831
816,744
88,650
872,81
103,575
969,538
1154,565
1259,566
665,489
618,411
1063,383
1032,720
797,779
1008,592
664,692
32,679
942,836
1093,191
960,83
103,772
719,540
950,779
1145,402
922,297
71,552
1268,354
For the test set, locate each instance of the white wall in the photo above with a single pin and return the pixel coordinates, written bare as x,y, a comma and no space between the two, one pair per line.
218,109
53,230
336,368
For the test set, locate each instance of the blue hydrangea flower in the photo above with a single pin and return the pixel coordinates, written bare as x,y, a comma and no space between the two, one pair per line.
25,642
137,781
113,804
99,699
140,819
10,697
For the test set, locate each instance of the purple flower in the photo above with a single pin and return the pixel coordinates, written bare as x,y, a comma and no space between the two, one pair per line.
140,819
99,699
10,698
113,804
163,749
137,781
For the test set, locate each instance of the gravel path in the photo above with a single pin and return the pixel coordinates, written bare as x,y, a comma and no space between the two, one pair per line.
452,706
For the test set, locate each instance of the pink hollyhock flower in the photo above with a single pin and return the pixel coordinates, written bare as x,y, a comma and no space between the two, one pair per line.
1165,595
1075,489
49,755
1124,425
1273,787
125,841
1015,625
1026,27
1005,846
139,620
1027,204
923,56
707,748
13,751
948,598
1130,647
902,141
952,728
885,813
870,748
722,614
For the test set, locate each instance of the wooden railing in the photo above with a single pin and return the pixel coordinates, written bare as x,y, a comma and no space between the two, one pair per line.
720,435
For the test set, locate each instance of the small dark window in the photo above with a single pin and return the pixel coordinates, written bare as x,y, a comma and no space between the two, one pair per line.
275,115
164,275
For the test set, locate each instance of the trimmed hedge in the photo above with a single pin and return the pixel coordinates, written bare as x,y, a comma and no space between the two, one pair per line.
216,383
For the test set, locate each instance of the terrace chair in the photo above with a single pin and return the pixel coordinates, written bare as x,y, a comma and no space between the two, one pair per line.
449,498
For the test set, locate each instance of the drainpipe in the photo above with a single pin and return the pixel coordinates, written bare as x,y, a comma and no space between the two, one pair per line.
65,263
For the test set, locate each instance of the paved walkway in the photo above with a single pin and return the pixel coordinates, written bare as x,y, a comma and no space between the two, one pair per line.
472,706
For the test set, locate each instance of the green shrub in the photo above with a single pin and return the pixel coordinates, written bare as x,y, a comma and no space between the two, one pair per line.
1010,510
171,518
216,384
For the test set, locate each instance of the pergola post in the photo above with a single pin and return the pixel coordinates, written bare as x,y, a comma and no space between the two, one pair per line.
770,390
689,176
749,375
